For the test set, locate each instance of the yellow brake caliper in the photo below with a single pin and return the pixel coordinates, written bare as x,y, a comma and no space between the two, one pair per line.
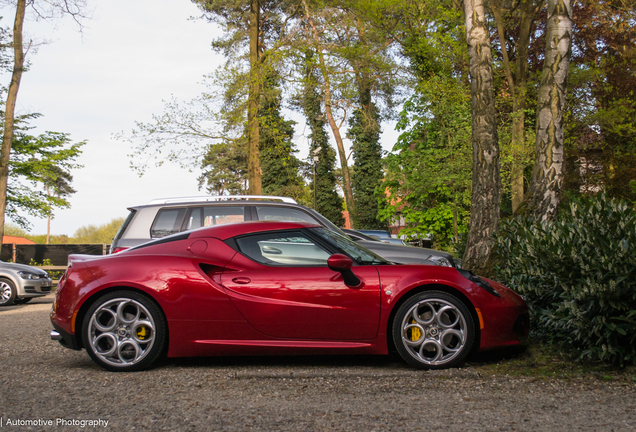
142,333
415,332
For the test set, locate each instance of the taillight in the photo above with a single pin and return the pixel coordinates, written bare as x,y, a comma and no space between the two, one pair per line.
118,249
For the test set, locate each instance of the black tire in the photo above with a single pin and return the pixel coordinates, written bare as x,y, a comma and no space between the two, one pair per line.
23,300
433,330
124,331
8,292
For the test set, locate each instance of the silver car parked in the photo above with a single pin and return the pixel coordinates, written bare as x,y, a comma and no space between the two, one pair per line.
19,283
163,217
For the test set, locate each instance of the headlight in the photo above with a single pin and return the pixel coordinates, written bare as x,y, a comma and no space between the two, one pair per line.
31,276
440,260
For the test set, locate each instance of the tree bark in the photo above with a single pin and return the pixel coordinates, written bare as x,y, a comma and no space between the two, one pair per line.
517,83
9,114
547,175
253,131
486,193
346,178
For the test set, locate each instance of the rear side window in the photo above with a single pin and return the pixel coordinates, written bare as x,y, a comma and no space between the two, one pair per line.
286,214
220,215
168,221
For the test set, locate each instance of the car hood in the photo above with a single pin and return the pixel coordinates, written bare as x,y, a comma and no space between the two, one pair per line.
403,254
21,267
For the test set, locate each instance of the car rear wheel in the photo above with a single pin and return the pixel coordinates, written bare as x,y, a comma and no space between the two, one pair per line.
8,292
433,330
124,331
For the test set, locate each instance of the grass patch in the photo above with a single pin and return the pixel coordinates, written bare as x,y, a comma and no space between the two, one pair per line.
541,361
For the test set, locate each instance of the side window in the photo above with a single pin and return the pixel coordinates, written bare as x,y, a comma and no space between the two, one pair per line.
223,215
286,214
195,219
168,221
289,249
209,216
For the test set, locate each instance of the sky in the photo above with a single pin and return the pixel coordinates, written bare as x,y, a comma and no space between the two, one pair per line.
130,57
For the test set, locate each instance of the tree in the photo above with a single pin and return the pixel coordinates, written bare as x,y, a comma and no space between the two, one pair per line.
224,169
327,201
265,22
97,233
42,9
330,17
547,174
44,162
281,174
9,114
368,174
600,132
514,32
486,183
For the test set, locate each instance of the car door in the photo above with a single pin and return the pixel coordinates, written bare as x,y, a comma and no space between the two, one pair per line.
281,284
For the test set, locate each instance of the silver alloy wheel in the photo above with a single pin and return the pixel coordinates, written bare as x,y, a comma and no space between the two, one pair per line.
121,332
434,331
6,293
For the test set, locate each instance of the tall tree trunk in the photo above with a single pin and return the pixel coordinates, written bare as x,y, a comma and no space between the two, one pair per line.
48,216
517,83
486,192
9,114
346,179
547,175
253,132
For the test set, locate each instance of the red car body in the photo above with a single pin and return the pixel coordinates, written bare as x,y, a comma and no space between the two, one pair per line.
217,301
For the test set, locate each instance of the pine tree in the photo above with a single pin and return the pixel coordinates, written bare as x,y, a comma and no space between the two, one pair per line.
281,169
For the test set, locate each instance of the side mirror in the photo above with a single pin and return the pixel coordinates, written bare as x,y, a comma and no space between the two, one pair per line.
342,264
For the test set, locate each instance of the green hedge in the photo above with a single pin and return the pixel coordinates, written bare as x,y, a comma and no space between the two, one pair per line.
578,275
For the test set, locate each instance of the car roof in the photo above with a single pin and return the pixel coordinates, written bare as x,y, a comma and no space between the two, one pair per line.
216,200
224,232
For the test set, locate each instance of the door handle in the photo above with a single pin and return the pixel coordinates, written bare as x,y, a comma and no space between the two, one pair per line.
241,280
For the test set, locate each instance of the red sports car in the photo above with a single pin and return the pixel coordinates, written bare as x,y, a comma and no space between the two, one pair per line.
261,288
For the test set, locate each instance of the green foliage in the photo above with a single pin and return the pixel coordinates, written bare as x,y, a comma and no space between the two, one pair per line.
328,202
600,126
578,277
97,233
281,169
45,262
224,168
364,132
429,171
39,172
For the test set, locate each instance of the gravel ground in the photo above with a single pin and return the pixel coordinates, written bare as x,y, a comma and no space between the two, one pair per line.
41,381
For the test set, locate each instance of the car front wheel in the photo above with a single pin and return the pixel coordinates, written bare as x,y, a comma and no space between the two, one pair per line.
124,331
8,292
433,330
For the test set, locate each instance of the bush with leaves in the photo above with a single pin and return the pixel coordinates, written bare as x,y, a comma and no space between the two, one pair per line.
578,275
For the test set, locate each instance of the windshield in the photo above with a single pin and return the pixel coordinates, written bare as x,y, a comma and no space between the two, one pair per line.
357,253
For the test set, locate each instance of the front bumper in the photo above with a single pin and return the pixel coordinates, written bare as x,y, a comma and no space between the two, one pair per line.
65,339
34,288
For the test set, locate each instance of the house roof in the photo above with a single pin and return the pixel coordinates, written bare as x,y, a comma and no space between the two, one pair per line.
17,240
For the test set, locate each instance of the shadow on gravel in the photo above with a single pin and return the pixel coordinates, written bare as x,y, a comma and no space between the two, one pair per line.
497,355
365,361
388,362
